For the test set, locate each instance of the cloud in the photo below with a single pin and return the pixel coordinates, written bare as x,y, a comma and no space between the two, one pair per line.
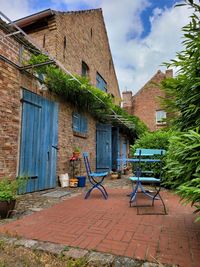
137,60
15,9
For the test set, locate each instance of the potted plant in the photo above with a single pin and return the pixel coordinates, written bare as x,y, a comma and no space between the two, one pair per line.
76,152
8,195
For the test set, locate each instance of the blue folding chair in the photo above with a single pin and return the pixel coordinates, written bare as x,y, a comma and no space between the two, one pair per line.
144,157
95,178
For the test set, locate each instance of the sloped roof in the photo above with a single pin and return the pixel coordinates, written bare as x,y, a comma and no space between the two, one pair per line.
28,20
159,72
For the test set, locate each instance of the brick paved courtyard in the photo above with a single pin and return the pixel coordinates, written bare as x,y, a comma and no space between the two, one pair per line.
112,226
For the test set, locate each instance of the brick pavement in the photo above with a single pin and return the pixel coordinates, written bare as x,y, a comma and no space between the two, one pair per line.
112,226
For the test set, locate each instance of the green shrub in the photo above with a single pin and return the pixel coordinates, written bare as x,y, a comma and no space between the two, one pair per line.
190,192
183,166
154,140
183,158
9,188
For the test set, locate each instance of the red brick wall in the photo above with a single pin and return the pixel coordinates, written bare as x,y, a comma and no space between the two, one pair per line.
145,102
11,83
86,40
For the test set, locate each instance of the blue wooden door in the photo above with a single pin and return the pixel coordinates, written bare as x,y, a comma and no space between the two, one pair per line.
103,147
124,148
39,138
115,147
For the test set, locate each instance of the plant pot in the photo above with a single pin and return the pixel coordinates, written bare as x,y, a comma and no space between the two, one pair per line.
81,181
76,154
73,182
6,207
114,176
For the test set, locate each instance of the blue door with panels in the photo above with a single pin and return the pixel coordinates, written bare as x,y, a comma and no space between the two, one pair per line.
39,140
115,147
103,147
124,148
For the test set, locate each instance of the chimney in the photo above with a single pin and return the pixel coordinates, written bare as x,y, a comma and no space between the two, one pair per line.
127,99
169,73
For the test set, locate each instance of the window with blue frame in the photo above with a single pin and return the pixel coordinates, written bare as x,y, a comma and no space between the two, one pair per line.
101,83
79,123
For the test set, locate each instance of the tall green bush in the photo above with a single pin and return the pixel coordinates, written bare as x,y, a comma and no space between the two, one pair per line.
154,140
183,166
183,158
182,91
183,101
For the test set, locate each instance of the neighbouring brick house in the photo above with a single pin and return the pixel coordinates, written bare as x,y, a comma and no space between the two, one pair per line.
145,104
34,122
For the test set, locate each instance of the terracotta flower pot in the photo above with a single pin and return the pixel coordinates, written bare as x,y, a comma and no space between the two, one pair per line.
6,207
73,182
76,154
114,175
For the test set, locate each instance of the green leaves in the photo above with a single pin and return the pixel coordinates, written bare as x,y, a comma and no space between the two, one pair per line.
183,166
9,188
157,140
79,92
182,92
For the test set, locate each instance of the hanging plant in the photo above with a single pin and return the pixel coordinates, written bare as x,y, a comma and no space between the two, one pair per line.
84,96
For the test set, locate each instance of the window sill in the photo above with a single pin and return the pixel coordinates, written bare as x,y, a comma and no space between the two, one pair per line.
161,123
81,135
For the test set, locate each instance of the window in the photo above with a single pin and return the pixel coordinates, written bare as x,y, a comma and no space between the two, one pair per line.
85,69
161,116
79,123
101,83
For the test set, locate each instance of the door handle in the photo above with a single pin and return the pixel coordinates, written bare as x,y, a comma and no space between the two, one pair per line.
55,147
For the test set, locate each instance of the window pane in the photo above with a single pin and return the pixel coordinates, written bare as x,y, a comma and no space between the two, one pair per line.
85,69
101,83
160,116
80,123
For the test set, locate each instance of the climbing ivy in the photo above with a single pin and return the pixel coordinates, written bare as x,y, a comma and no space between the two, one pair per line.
79,92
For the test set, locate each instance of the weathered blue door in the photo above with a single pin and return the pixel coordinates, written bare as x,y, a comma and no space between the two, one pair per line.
124,148
115,147
103,147
39,139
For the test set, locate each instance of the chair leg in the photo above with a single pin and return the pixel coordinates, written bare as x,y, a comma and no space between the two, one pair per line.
104,189
133,194
98,186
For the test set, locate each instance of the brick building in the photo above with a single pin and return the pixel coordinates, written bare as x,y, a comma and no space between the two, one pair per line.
35,123
77,39
145,104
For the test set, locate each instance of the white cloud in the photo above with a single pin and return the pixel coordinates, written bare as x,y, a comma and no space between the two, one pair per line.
145,55
15,9
136,60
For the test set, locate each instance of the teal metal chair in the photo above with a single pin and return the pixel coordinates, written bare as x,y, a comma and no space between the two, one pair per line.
95,178
143,174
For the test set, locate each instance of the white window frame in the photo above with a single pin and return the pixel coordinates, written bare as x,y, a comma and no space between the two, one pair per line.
161,115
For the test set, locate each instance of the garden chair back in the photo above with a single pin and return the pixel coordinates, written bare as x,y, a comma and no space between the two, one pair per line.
143,159
96,179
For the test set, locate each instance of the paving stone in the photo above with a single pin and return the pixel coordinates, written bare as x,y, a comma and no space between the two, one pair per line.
126,262
151,264
35,209
50,247
75,253
26,243
56,194
96,259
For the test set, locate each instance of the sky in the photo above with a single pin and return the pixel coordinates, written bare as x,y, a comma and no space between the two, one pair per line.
142,33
